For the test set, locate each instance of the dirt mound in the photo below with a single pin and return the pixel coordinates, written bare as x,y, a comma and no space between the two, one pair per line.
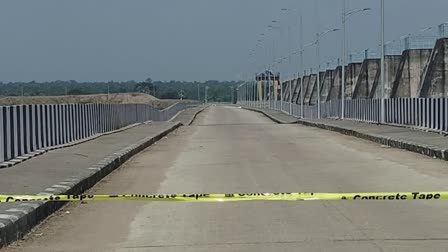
119,98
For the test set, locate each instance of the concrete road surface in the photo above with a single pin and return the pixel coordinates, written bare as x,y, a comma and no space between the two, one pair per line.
234,150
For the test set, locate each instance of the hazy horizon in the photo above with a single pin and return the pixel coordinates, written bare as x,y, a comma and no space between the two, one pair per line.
194,40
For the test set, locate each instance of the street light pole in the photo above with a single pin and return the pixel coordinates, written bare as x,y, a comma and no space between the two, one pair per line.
301,66
345,15
302,95
206,95
269,89
383,116
318,36
263,83
318,73
290,97
199,97
248,94
281,94
255,93
246,91
343,60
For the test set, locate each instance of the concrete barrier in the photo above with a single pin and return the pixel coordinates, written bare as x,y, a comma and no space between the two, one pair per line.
296,91
366,79
25,129
410,72
434,83
308,85
326,84
335,89
313,96
392,63
352,73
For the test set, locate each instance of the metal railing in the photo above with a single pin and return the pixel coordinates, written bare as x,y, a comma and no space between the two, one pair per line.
425,113
28,128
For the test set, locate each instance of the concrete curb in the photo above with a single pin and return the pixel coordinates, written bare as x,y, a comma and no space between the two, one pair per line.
195,115
427,150
22,217
270,116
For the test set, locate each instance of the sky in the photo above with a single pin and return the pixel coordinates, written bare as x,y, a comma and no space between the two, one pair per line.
191,40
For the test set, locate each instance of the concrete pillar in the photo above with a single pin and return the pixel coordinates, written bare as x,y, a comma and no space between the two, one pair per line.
285,91
434,82
392,63
276,89
410,71
308,85
260,90
296,90
366,78
351,77
313,97
335,89
327,81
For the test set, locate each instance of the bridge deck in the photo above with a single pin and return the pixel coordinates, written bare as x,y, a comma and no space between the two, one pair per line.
421,141
235,150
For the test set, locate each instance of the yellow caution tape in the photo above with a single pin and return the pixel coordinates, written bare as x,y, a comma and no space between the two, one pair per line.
372,196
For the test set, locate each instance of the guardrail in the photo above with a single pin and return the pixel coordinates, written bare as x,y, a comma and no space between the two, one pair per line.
28,128
425,113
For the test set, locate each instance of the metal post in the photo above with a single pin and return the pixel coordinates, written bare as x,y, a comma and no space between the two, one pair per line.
290,98
301,67
246,94
237,95
251,94
256,99
254,93
199,97
269,90
281,95
259,96
301,93
383,114
263,85
318,75
343,60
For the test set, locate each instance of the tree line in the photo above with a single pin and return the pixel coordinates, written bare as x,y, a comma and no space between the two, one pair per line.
218,91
